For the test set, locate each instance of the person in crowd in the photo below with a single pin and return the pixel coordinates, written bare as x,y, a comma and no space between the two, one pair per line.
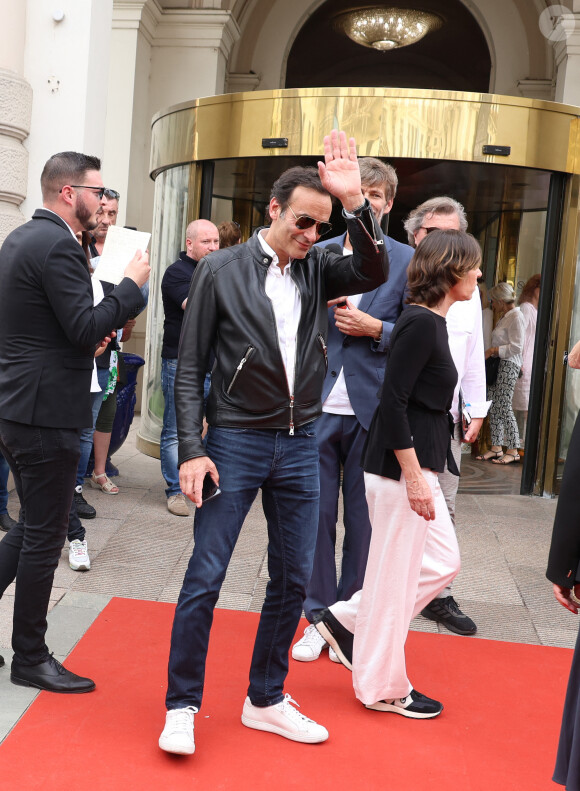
78,551
564,572
528,304
109,366
6,521
507,343
469,406
466,345
262,308
230,234
414,552
486,315
359,330
49,330
201,238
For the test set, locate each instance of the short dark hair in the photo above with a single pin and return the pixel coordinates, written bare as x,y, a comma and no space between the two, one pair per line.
68,167
375,173
439,262
294,177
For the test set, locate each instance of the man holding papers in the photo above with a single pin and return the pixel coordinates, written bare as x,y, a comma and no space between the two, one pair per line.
49,330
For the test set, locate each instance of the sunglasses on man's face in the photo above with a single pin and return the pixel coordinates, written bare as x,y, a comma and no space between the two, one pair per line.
428,229
101,191
304,222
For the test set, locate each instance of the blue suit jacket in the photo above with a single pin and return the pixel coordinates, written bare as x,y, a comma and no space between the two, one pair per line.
363,359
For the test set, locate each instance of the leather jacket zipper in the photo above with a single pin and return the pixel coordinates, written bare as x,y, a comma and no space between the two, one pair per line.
291,432
373,238
324,350
247,354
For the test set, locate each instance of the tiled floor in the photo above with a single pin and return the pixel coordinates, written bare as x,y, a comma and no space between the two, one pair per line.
139,550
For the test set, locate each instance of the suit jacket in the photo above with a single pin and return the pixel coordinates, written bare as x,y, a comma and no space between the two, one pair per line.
49,327
363,359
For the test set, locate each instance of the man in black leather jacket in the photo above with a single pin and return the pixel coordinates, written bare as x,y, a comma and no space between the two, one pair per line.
261,307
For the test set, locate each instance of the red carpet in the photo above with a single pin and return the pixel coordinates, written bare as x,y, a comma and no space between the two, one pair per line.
498,732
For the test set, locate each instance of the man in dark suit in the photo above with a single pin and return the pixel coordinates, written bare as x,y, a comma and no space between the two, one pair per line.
49,331
358,337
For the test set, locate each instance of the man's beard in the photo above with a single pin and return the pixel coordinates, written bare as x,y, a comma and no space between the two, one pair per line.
87,219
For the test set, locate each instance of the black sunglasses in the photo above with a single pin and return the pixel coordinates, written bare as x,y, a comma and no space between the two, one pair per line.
304,221
101,191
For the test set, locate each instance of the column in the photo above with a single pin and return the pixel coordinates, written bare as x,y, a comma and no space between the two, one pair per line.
15,110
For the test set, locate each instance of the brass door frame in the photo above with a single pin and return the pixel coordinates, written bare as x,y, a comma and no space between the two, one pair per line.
400,123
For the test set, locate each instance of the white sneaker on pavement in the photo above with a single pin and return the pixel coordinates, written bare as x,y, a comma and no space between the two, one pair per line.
177,736
78,555
309,647
282,718
177,505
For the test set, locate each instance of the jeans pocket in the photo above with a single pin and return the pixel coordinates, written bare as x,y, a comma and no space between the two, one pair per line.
23,443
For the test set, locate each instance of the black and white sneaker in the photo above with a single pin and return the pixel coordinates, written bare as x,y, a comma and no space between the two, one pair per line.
415,705
339,638
84,510
446,612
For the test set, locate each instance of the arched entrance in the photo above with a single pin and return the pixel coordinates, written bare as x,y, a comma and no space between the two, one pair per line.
454,57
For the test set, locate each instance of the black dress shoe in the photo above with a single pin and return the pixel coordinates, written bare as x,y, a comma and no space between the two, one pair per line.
1,661
51,676
6,522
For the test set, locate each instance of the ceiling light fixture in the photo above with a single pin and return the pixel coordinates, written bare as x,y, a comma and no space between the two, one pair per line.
387,28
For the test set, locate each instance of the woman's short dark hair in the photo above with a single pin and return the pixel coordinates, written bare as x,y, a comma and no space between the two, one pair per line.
441,259
294,177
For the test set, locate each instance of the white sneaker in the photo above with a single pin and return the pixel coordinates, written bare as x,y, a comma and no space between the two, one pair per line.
309,647
282,718
177,736
78,556
332,655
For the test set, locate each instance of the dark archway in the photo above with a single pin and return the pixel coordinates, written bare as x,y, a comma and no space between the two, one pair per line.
455,57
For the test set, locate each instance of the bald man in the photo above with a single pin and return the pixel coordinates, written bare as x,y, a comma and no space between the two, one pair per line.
201,238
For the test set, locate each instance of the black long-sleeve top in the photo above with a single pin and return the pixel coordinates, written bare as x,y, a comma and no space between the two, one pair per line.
417,392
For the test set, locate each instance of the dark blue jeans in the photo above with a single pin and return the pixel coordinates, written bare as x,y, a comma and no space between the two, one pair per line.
341,440
44,464
168,443
286,469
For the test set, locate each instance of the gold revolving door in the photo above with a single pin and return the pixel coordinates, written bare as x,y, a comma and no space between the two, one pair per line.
513,163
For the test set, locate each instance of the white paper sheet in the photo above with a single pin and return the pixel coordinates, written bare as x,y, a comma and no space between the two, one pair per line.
120,246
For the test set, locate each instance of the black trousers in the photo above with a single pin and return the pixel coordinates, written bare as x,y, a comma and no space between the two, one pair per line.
44,463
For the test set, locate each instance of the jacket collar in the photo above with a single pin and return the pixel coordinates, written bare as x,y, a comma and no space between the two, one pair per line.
47,214
184,257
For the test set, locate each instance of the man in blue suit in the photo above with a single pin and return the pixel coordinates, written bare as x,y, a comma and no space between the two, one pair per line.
358,337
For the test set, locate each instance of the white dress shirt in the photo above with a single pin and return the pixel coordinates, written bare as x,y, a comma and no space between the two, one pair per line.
464,327
508,335
285,298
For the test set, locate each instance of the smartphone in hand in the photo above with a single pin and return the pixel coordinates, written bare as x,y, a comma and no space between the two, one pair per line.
209,489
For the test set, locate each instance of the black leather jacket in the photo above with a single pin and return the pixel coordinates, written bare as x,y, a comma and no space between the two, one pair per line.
228,312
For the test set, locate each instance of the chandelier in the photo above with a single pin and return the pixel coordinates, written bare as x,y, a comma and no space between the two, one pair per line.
387,28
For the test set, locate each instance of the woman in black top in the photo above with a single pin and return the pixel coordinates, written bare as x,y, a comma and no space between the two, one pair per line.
413,553
564,571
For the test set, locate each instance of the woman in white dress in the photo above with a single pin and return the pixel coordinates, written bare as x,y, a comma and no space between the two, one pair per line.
528,303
